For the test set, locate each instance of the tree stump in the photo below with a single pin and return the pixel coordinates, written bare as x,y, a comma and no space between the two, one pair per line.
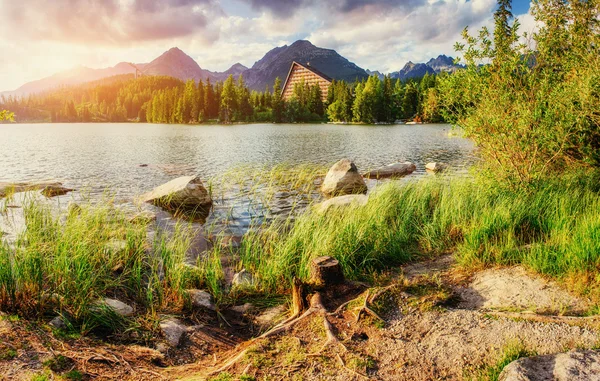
325,271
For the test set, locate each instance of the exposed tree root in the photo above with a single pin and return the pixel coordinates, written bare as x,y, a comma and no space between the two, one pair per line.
547,318
349,369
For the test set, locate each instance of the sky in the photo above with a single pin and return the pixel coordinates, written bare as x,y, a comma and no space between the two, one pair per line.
39,38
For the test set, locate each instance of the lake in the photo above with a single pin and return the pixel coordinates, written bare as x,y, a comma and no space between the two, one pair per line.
102,156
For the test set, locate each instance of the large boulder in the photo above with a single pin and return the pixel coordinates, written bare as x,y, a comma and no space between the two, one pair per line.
342,201
343,178
570,366
392,170
184,194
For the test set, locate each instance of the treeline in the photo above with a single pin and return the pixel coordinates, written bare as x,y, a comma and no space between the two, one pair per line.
159,99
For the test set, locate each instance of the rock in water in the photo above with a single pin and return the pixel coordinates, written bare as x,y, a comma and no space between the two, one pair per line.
184,194
570,366
392,170
340,201
436,167
343,178
54,190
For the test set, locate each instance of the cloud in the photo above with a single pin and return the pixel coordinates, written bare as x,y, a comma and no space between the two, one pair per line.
108,21
281,8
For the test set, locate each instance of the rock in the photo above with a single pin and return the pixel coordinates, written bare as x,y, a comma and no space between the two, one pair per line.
183,194
162,348
343,178
173,330
58,322
142,218
9,188
201,299
342,201
270,316
392,170
243,279
54,190
570,366
117,306
436,167
242,309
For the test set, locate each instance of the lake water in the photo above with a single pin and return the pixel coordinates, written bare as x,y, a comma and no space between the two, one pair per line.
102,156
129,159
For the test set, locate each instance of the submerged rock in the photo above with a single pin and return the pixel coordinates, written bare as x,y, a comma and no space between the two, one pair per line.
392,170
343,178
201,299
9,188
184,194
570,366
436,167
173,330
117,306
342,201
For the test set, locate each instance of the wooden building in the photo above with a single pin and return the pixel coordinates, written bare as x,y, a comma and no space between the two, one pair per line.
310,75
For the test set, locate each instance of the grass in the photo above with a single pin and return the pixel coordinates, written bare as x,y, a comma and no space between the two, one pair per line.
553,228
64,262
511,352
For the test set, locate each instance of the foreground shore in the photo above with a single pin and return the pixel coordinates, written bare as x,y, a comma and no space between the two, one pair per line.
461,278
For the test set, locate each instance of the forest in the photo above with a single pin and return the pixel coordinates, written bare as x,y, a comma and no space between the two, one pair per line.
159,99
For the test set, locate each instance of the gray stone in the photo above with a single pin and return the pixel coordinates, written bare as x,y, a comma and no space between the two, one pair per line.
342,201
570,366
392,170
185,193
173,330
117,306
271,316
58,322
243,279
242,309
201,299
343,178
436,167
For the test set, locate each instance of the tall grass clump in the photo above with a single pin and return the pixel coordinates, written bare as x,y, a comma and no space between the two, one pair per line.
65,262
551,228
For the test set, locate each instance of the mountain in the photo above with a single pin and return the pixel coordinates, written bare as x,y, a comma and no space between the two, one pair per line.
443,63
235,70
412,70
277,62
377,73
71,77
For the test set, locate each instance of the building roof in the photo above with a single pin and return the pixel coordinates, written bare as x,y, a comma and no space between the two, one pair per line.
308,67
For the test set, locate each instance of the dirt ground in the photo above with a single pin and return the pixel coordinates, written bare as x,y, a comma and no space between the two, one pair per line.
431,325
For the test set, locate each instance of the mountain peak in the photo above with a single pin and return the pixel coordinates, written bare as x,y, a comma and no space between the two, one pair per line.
302,44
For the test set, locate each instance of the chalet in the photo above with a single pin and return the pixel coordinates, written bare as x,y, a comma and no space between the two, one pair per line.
310,75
